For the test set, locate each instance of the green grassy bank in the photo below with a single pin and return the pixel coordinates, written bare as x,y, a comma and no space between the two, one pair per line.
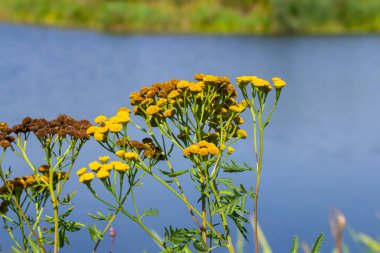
196,16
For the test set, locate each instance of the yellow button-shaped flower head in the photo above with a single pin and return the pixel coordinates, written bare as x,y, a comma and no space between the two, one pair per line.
3,126
123,116
161,101
124,109
212,149
202,144
81,171
91,130
102,174
104,159
100,119
242,133
194,149
120,153
203,151
183,84
169,113
236,108
106,167
230,150
278,82
131,156
115,128
94,166
86,177
99,136
121,167
174,94
196,87
243,80
153,109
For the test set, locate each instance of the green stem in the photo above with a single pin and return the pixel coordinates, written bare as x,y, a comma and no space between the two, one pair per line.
154,237
29,227
259,163
105,230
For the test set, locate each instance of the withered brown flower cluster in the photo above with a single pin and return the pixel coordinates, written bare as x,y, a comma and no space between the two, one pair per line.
146,146
5,139
63,126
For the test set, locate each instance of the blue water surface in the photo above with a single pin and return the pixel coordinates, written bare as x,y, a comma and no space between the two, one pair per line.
322,146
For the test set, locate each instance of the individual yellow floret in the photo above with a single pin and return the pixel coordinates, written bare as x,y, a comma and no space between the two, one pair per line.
222,147
94,166
100,119
81,171
230,150
102,174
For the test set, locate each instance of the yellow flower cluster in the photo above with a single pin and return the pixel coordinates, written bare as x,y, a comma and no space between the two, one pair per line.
260,83
102,169
203,148
113,124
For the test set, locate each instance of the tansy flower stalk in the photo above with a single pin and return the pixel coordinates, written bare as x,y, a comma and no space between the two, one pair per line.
261,88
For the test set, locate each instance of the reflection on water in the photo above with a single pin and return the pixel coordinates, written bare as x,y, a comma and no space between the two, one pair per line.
322,146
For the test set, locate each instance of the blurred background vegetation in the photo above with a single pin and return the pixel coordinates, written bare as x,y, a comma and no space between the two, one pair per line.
200,16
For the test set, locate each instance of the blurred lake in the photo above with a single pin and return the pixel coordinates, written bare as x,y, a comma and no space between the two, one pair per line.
321,148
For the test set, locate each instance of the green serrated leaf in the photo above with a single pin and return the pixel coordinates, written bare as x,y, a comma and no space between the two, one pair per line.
318,243
174,174
94,216
101,215
226,192
95,234
151,212
200,245
295,244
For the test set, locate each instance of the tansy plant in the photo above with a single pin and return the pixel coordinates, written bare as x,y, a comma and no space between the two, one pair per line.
25,200
201,119
198,120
